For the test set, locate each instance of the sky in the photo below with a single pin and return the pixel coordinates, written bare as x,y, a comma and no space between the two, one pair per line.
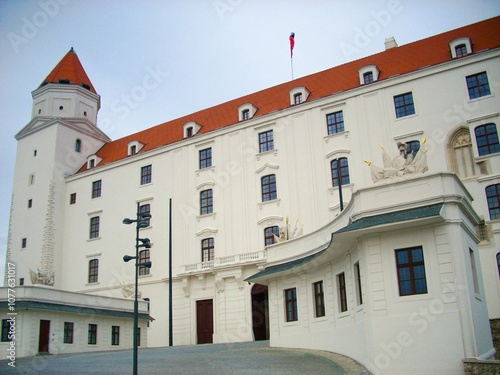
153,60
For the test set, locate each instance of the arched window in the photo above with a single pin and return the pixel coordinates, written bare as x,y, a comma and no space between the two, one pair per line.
487,139
340,171
207,249
464,165
78,145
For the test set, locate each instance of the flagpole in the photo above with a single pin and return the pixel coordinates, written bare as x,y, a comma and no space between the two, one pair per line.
292,44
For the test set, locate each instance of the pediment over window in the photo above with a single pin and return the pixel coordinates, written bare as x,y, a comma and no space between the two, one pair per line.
134,147
460,47
93,161
368,74
298,95
246,111
191,128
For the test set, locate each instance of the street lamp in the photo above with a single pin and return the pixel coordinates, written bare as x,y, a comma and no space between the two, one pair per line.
139,242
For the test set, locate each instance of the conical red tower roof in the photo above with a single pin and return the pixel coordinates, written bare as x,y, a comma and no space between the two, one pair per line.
69,71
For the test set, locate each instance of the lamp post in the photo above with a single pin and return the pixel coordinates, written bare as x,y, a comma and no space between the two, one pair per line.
139,242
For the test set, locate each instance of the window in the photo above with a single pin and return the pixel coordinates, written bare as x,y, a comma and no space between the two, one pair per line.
5,330
266,141
68,333
245,114
30,203
93,271
465,166
335,122
146,174
94,227
31,180
404,105
493,200
115,335
368,77
21,281
206,202
138,336
268,184
269,234
78,145
291,305
92,338
460,50
319,299
207,249
189,132
145,209
341,165
357,281
487,139
297,98
133,150
24,243
205,158
96,189
475,280
91,163
72,198
34,152
144,257
498,263
412,147
411,271
477,85
149,310
342,292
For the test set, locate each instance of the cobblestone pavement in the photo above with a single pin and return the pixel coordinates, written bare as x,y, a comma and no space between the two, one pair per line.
250,358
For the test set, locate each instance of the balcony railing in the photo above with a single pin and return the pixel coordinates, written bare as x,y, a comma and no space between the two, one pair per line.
246,258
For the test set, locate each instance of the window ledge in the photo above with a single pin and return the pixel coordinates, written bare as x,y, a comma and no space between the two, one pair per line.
406,117
93,284
261,154
211,168
345,134
94,239
145,276
277,201
480,98
212,215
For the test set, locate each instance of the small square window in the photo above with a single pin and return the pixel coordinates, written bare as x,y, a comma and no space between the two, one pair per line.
404,105
368,77
72,198
21,281
335,122
24,243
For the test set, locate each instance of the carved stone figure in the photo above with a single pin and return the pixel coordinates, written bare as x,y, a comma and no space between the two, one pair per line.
286,232
403,164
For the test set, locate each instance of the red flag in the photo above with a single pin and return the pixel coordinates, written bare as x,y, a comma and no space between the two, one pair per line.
292,43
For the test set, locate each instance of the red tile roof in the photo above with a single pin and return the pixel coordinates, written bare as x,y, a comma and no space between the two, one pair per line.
396,61
69,68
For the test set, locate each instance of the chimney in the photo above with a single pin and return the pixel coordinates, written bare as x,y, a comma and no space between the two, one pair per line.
390,43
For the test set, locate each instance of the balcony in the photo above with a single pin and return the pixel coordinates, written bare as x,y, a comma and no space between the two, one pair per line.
224,262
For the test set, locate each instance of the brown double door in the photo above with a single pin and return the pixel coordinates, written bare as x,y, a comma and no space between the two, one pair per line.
205,321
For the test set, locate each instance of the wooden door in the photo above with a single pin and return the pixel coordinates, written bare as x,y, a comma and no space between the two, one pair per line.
44,336
205,321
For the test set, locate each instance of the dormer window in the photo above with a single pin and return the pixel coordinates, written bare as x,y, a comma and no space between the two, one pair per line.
92,161
460,47
191,128
298,95
246,111
368,77
65,81
368,74
134,147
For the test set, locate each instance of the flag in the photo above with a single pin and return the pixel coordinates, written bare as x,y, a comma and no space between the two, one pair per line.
292,43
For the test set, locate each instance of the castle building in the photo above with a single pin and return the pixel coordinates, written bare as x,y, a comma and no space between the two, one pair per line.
354,210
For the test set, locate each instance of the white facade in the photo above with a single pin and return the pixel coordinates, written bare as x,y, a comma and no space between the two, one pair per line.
300,159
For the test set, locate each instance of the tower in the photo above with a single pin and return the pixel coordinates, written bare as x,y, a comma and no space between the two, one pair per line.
56,142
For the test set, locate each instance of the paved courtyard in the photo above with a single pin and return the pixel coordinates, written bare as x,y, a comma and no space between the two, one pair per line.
221,359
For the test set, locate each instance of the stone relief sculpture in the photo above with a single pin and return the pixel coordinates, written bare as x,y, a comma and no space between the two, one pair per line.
41,278
287,233
128,291
403,164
